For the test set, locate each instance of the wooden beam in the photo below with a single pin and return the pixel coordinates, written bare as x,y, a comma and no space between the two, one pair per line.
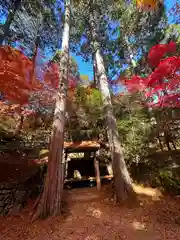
65,167
89,179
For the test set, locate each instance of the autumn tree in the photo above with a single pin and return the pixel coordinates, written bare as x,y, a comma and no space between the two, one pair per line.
161,89
42,101
16,84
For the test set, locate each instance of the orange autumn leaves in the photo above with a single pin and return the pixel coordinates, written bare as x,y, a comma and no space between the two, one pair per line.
147,4
16,75
19,81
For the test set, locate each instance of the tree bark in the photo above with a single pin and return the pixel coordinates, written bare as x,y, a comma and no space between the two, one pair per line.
32,78
95,72
9,20
97,172
37,43
50,201
123,184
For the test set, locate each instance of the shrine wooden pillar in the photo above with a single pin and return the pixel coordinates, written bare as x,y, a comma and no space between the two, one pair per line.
65,165
97,172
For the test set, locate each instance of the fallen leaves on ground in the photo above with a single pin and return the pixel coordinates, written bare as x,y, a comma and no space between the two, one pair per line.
13,168
88,217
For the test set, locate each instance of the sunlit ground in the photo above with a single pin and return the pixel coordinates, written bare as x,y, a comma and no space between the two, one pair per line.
154,193
88,216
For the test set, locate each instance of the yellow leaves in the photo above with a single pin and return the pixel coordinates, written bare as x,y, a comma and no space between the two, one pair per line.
71,93
147,4
88,90
6,108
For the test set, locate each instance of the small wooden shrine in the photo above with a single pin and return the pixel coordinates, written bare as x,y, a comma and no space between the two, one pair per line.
81,162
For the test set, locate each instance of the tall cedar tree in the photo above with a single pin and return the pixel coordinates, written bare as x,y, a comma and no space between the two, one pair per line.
28,20
123,185
93,16
50,200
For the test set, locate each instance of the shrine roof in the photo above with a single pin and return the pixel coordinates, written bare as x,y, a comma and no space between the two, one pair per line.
81,146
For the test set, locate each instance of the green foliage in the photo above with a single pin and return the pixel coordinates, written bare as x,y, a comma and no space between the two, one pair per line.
134,129
94,102
73,66
85,113
169,181
122,29
136,32
33,22
8,127
81,37
173,31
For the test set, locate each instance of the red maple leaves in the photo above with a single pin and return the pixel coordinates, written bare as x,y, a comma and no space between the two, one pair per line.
19,81
162,86
159,51
51,75
15,75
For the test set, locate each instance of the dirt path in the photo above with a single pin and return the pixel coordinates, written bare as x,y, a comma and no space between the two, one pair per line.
89,218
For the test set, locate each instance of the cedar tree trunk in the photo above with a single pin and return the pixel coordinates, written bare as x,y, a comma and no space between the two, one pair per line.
123,184
51,198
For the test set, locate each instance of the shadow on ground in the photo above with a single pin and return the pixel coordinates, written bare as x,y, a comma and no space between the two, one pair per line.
92,216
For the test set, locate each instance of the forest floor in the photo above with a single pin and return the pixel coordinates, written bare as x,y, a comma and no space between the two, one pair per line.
92,216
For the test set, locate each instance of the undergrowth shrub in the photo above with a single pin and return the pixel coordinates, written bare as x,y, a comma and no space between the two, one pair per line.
169,181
